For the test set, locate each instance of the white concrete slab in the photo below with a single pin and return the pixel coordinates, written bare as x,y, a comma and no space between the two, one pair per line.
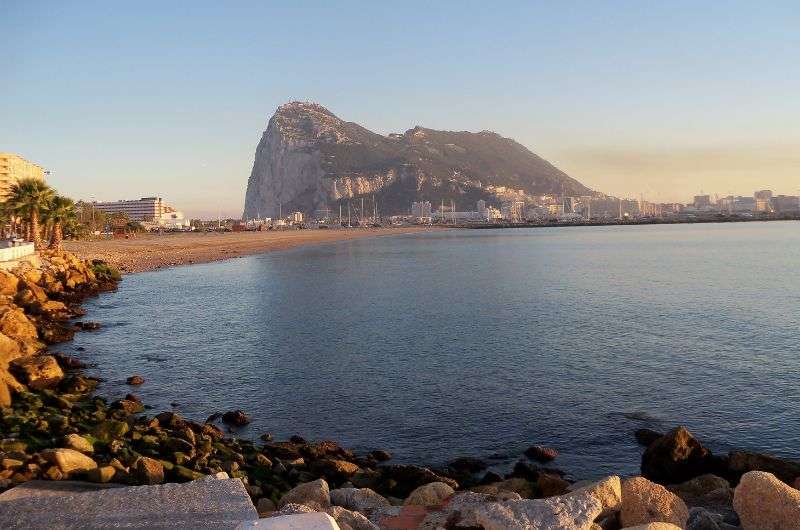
300,521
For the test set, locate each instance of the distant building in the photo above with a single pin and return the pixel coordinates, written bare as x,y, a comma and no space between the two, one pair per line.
763,200
296,217
421,210
702,202
144,209
12,169
785,204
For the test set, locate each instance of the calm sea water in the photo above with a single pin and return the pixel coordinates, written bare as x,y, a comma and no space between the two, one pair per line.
479,343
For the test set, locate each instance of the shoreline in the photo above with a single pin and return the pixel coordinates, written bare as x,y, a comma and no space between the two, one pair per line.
58,427
149,252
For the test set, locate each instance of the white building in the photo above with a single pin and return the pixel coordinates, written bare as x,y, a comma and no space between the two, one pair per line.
144,209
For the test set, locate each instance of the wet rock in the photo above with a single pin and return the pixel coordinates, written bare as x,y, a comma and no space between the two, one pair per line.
67,362
297,439
646,437
266,437
490,478
236,417
69,461
265,507
315,495
135,380
432,494
645,502
709,492
520,486
362,500
763,501
380,456
110,430
38,372
541,453
570,512
78,443
170,420
127,406
408,477
147,471
336,471
741,462
676,457
467,464
78,384
526,470
88,326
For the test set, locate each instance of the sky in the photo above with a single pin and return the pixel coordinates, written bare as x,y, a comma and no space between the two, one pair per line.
661,99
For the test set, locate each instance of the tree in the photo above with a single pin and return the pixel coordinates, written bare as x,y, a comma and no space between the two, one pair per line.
60,212
30,198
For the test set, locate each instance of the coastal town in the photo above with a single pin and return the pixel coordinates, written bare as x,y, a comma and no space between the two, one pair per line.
64,445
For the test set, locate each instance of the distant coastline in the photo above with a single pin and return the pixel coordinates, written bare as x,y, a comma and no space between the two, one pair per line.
146,252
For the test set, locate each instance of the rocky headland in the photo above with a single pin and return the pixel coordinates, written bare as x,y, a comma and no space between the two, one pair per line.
55,427
309,159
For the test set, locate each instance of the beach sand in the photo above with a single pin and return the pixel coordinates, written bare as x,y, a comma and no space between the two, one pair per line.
144,252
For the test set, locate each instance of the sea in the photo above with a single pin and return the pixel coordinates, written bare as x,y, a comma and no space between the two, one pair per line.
478,343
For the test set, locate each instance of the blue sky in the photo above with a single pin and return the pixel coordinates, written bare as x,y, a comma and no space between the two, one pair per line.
130,99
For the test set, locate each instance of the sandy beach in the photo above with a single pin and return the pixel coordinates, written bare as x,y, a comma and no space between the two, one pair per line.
155,251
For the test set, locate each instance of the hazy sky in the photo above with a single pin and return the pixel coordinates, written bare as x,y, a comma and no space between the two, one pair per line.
122,100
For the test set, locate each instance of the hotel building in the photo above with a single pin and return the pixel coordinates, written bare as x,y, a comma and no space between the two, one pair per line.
12,169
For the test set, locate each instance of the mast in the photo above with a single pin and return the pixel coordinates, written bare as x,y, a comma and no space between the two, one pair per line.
340,214
348,214
361,213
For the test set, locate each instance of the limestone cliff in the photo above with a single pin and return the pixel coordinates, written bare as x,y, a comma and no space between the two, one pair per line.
310,160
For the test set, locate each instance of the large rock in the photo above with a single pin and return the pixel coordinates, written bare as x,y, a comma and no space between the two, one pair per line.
69,461
709,492
607,491
647,502
308,159
314,494
740,462
38,372
675,457
347,518
763,502
568,512
147,471
407,478
9,350
8,283
78,443
432,494
337,471
362,500
14,324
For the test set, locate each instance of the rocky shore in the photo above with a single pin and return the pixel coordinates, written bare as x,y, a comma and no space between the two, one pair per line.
54,427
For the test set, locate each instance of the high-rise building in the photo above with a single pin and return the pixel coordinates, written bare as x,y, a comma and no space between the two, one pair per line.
702,201
763,200
144,209
12,169
786,204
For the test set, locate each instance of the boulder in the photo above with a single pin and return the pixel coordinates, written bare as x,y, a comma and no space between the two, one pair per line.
135,380
147,471
8,283
78,443
236,417
362,500
549,485
675,457
408,477
740,462
432,494
568,512
336,471
38,372
314,494
607,491
5,395
14,324
467,464
520,486
102,474
765,502
646,437
69,461
9,350
380,455
347,518
541,453
702,519
645,502
709,492
110,430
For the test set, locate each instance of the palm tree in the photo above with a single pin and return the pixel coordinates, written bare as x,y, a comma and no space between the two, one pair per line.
60,212
30,197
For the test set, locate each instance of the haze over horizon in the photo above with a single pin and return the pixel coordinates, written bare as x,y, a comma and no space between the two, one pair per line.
126,101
